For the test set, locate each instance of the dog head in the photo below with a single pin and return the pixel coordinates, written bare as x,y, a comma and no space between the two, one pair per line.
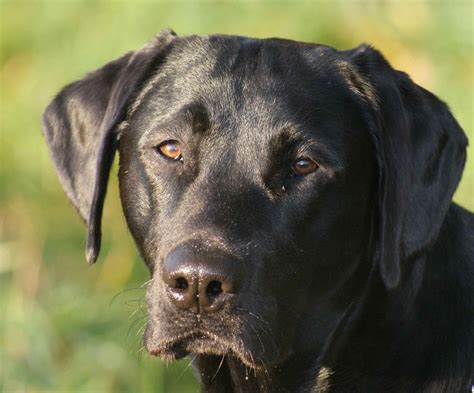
262,180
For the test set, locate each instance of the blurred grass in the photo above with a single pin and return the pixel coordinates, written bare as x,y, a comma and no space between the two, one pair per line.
57,331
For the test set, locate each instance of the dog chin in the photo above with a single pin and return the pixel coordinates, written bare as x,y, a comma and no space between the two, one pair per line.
201,344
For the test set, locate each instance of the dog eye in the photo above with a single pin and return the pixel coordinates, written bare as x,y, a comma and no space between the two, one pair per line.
171,150
304,166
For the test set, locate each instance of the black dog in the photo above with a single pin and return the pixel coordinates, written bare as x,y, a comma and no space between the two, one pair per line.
293,205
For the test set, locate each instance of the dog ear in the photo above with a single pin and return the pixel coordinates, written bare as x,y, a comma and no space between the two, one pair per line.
420,151
80,127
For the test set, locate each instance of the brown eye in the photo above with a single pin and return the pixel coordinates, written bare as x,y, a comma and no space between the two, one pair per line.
171,149
304,166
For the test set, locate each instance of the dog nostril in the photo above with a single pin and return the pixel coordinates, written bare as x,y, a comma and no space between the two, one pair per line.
181,283
214,289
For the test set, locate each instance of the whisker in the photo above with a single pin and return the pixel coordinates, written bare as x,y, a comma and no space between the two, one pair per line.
134,323
140,353
134,312
259,339
126,290
186,368
218,368
129,302
266,329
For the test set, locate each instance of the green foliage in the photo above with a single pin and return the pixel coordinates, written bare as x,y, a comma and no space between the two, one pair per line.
57,330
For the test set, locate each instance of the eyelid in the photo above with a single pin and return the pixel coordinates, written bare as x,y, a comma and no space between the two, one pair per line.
153,139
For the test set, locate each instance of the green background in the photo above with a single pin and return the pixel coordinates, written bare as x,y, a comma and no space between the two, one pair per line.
66,327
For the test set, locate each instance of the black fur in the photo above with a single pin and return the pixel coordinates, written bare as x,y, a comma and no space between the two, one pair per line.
358,277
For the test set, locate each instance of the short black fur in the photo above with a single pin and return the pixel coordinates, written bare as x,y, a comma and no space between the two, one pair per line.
357,276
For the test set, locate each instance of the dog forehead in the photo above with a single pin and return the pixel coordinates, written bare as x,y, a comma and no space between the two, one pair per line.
232,72
220,55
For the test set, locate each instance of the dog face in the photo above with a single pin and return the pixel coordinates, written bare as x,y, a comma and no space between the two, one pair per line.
260,181
239,184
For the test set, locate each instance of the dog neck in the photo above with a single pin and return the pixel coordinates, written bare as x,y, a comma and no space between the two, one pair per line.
230,375
384,341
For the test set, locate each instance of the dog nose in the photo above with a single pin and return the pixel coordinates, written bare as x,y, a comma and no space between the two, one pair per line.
200,281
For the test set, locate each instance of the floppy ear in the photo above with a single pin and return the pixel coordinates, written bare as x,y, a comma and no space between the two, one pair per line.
80,127
420,151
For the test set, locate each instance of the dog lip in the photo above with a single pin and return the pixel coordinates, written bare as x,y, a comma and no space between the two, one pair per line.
181,346
169,351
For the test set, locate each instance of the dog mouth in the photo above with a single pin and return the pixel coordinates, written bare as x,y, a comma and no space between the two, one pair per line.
202,343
